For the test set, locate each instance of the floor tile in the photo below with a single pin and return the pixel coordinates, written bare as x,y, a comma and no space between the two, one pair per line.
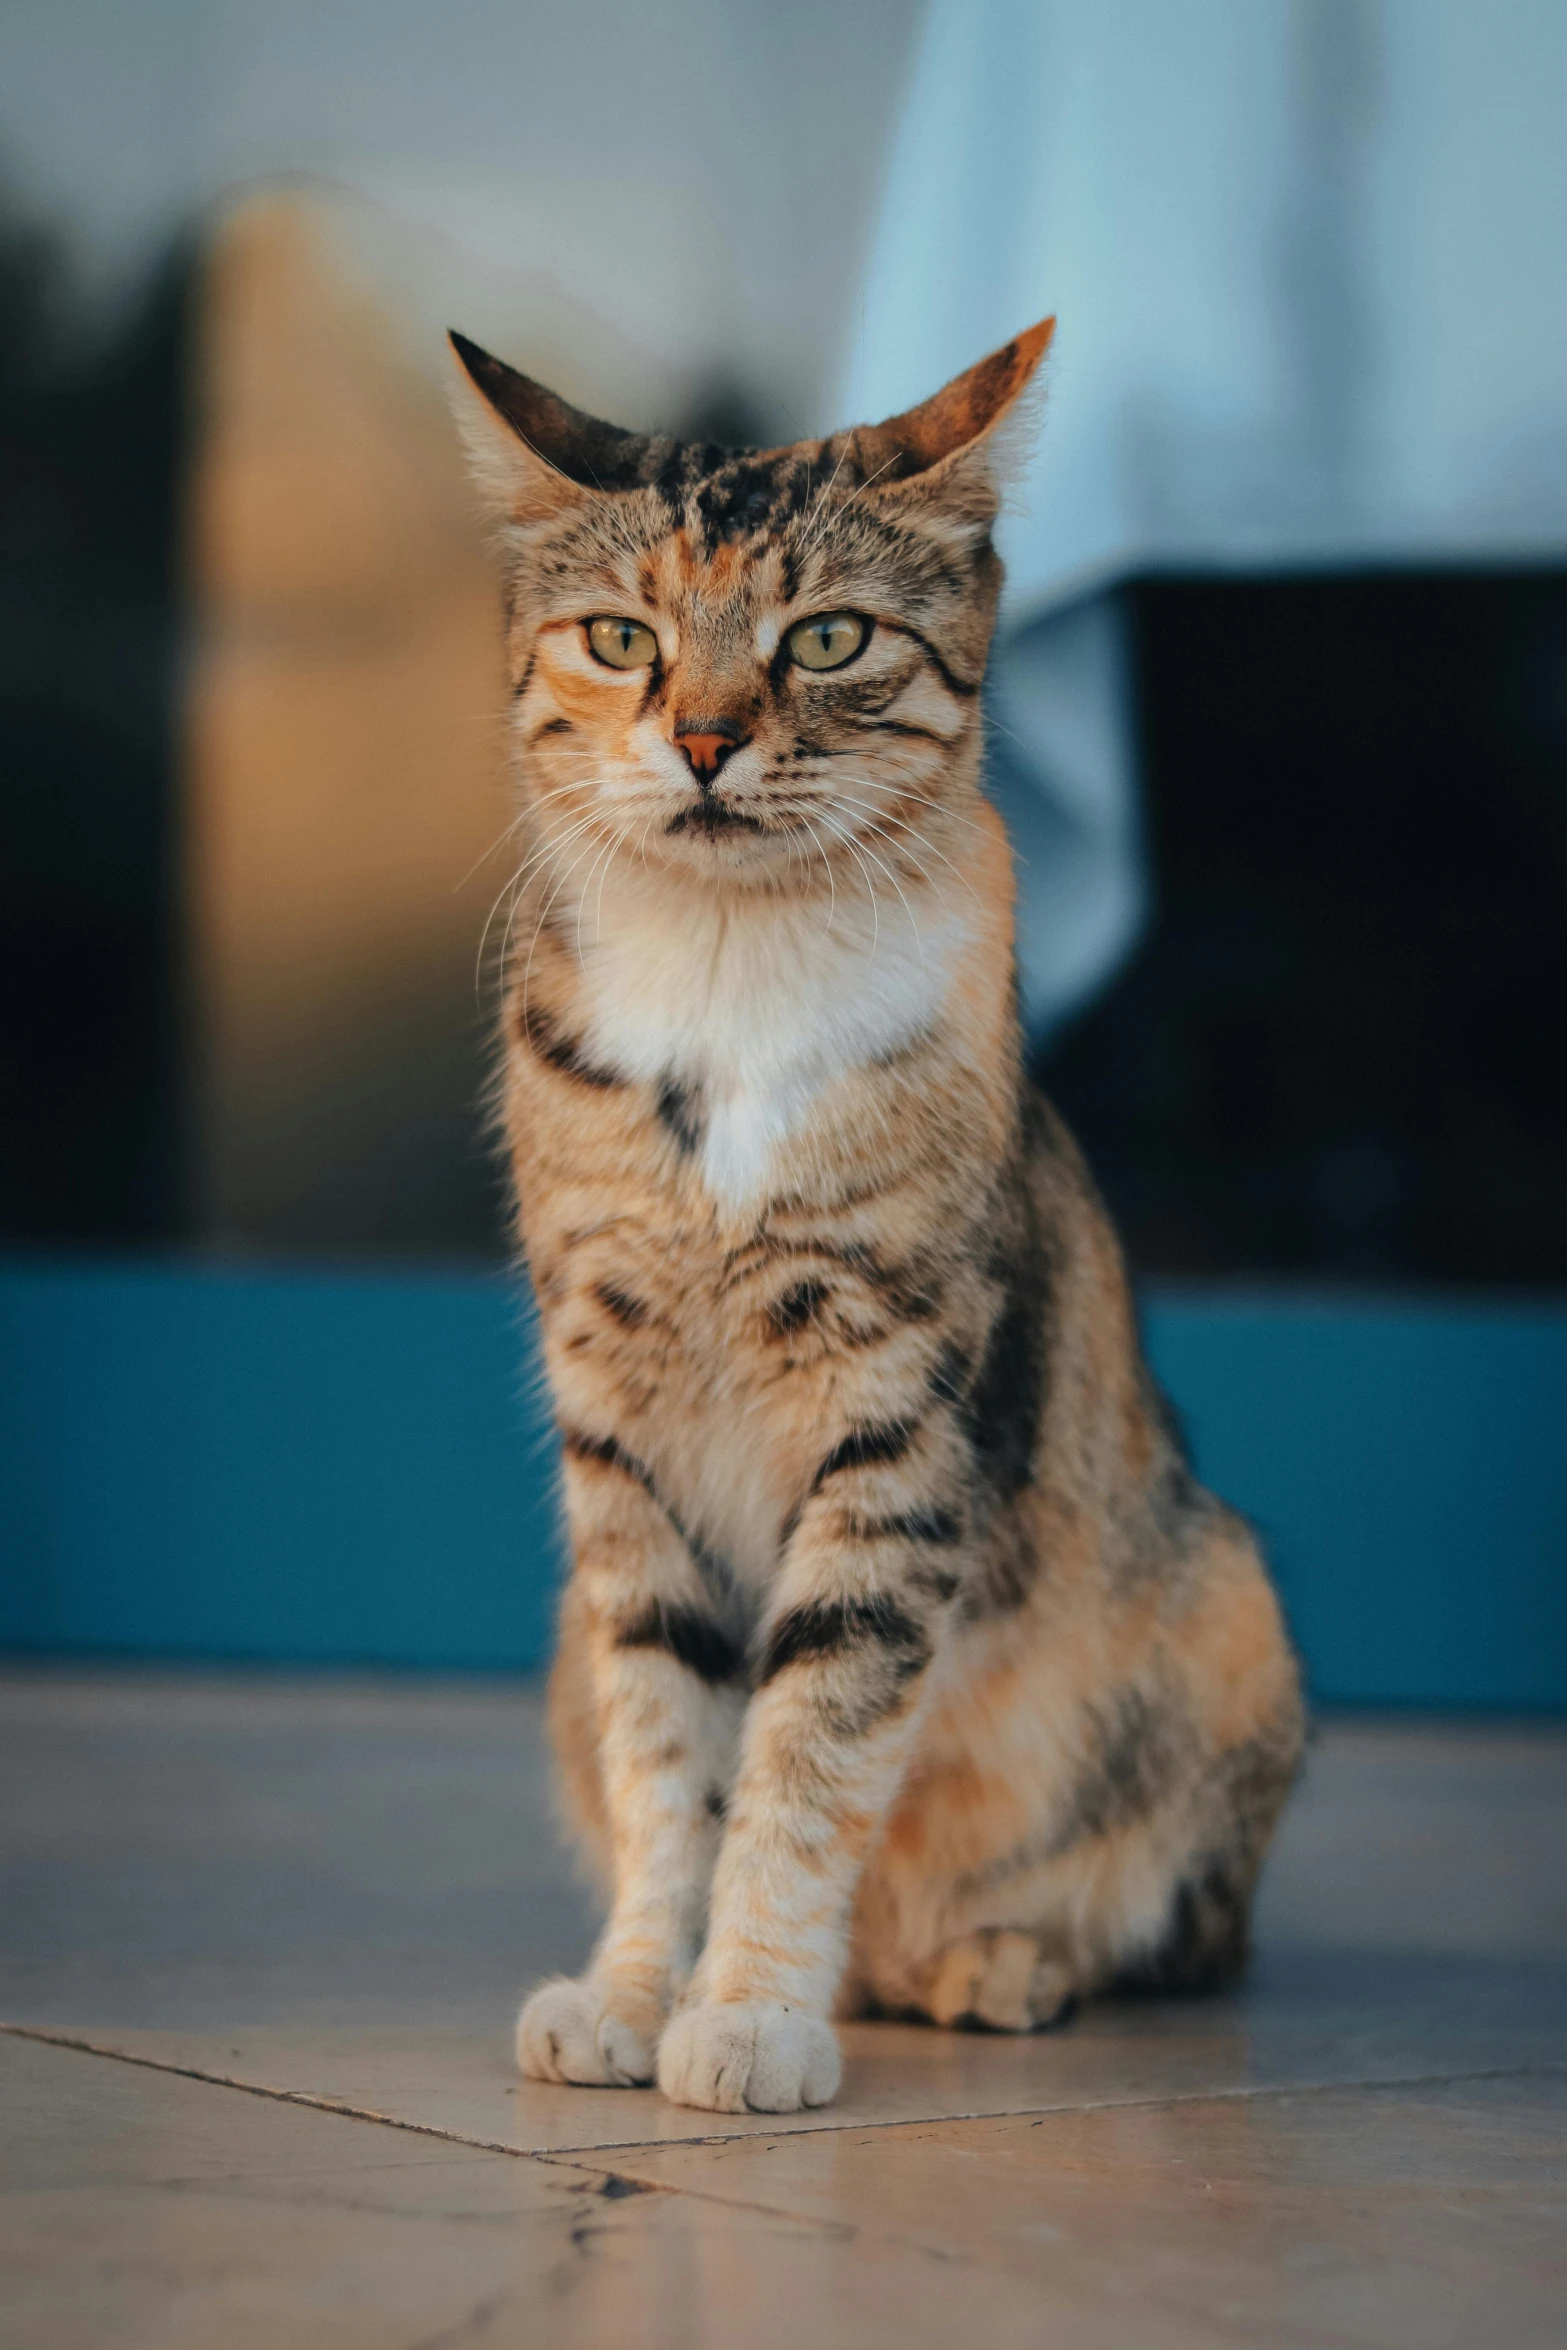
198,1850
1434,2217
1306,2019
332,1894
337,1890
1438,1837
152,2213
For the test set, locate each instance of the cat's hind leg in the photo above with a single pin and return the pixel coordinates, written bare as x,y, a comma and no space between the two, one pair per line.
999,1980
1138,1910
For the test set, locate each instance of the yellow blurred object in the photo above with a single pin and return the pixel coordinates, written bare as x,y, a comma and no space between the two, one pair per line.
344,771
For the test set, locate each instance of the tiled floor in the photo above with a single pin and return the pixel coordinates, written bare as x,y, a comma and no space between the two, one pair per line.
260,1945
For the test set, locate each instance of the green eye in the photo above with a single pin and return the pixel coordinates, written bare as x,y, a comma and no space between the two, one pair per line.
826,640
622,644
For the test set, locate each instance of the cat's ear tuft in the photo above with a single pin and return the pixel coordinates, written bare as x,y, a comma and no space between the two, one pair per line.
957,449
531,452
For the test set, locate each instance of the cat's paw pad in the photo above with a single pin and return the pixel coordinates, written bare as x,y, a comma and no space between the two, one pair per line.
568,2031
999,1981
761,2057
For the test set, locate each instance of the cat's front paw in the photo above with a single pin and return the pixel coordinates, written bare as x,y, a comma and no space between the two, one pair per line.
579,2031
760,2057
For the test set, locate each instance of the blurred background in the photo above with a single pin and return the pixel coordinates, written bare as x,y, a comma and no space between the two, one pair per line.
1279,725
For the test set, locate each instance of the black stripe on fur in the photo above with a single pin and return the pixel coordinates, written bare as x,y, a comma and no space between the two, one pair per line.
938,1527
867,1447
838,1628
547,1044
609,1455
680,1115
689,1636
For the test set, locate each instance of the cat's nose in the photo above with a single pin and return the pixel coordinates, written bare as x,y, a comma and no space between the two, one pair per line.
707,743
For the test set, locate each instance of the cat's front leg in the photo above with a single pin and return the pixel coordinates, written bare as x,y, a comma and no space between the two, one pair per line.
667,1681
860,1614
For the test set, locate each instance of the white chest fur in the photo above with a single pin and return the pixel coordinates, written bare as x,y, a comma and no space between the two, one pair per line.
758,1006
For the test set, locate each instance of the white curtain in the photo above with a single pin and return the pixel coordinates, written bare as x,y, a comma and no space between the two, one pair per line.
1309,259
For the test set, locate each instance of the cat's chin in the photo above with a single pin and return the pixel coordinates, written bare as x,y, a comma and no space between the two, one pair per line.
713,820
736,853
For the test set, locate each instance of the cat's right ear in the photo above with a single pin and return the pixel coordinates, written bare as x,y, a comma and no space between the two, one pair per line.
531,453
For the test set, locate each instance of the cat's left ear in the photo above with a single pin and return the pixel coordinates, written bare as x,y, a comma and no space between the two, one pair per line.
956,451
533,454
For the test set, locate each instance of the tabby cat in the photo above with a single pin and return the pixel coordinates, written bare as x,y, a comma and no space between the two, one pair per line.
904,1667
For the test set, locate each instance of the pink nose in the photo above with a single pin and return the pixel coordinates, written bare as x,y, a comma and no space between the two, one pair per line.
706,752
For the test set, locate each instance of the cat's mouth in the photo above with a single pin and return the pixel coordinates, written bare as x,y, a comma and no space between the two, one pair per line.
713,817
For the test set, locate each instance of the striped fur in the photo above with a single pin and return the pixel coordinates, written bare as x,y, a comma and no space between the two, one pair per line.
904,1665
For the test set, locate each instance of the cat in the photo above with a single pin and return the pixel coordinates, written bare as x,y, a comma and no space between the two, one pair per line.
904,1667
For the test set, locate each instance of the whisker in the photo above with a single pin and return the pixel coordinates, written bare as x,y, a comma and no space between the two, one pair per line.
527,975
995,725
522,817
546,849
870,480
824,504
485,855
917,799
535,802
870,886
883,818
898,848
832,902
616,845
905,791
831,514
602,858
881,867
515,886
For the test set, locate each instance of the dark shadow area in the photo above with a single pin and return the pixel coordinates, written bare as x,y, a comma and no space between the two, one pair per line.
1340,1050
90,448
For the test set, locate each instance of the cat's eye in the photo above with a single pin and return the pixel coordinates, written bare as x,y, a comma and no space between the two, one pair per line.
622,644
826,640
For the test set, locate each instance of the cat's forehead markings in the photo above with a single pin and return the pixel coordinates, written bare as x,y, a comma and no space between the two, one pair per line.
723,564
689,561
749,496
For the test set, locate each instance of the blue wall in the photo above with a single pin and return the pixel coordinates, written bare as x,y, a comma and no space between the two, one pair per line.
227,1462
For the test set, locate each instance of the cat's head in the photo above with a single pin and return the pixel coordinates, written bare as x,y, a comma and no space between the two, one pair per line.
752,667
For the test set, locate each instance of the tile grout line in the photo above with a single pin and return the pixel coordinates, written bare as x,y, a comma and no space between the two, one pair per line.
1041,2113
581,2156
47,2036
